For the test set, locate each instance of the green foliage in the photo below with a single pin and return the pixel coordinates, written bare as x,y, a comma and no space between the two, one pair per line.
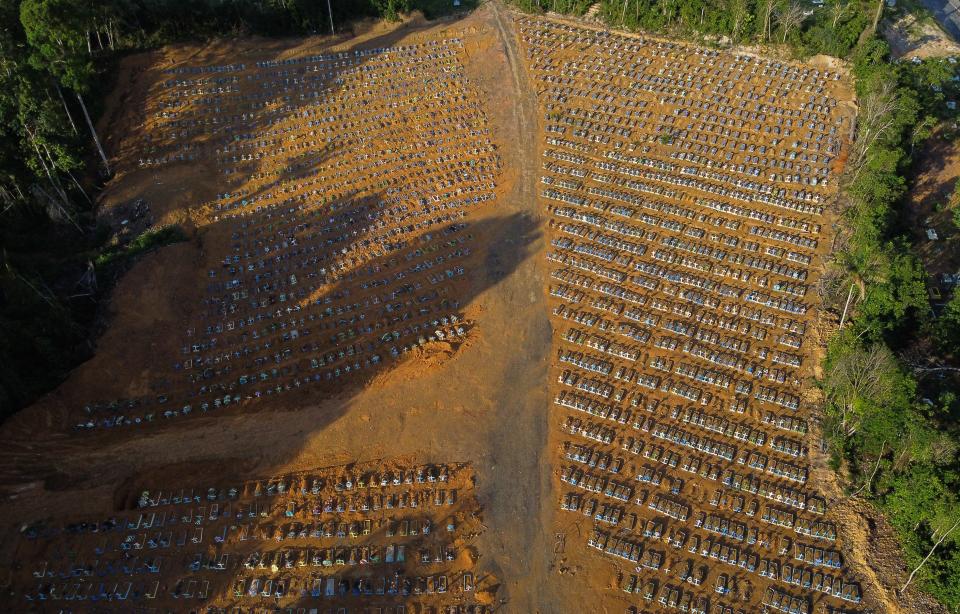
933,80
146,242
56,32
900,450
731,18
833,29
438,8
896,297
948,326
869,394
391,9
565,7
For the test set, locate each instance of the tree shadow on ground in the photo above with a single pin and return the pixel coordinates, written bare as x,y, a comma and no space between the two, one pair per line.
215,237
500,244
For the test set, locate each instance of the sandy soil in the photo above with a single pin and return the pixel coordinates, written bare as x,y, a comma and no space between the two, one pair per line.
396,533
492,417
667,538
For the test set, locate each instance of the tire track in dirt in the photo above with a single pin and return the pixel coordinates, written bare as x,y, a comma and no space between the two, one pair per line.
518,479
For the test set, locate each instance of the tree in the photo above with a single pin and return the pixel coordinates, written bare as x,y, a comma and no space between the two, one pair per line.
948,326
790,17
391,9
740,18
857,378
876,122
921,132
767,8
895,297
838,10
57,34
876,17
944,533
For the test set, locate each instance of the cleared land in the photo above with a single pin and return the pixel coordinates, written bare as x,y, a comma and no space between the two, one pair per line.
556,282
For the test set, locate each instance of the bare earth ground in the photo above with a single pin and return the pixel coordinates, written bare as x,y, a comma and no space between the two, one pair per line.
910,38
482,402
928,198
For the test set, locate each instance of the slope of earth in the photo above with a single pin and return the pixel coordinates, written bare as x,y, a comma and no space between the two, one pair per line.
923,38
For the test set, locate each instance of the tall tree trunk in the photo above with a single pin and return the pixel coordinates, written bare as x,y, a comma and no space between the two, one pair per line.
330,12
876,16
839,10
66,108
767,20
54,178
99,39
63,204
80,187
929,554
7,196
89,46
93,132
846,306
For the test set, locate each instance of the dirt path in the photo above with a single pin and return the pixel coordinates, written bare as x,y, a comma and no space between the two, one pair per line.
520,478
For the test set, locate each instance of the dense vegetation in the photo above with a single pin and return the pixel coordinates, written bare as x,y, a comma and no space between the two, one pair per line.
891,421
833,28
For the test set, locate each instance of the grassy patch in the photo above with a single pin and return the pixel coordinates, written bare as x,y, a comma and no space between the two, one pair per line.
439,8
152,239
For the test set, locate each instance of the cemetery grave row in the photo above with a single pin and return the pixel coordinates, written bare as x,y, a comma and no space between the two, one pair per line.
348,539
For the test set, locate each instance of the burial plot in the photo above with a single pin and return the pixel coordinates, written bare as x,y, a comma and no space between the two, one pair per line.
344,229
361,537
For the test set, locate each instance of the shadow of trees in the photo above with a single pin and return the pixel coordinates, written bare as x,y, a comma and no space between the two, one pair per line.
499,244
